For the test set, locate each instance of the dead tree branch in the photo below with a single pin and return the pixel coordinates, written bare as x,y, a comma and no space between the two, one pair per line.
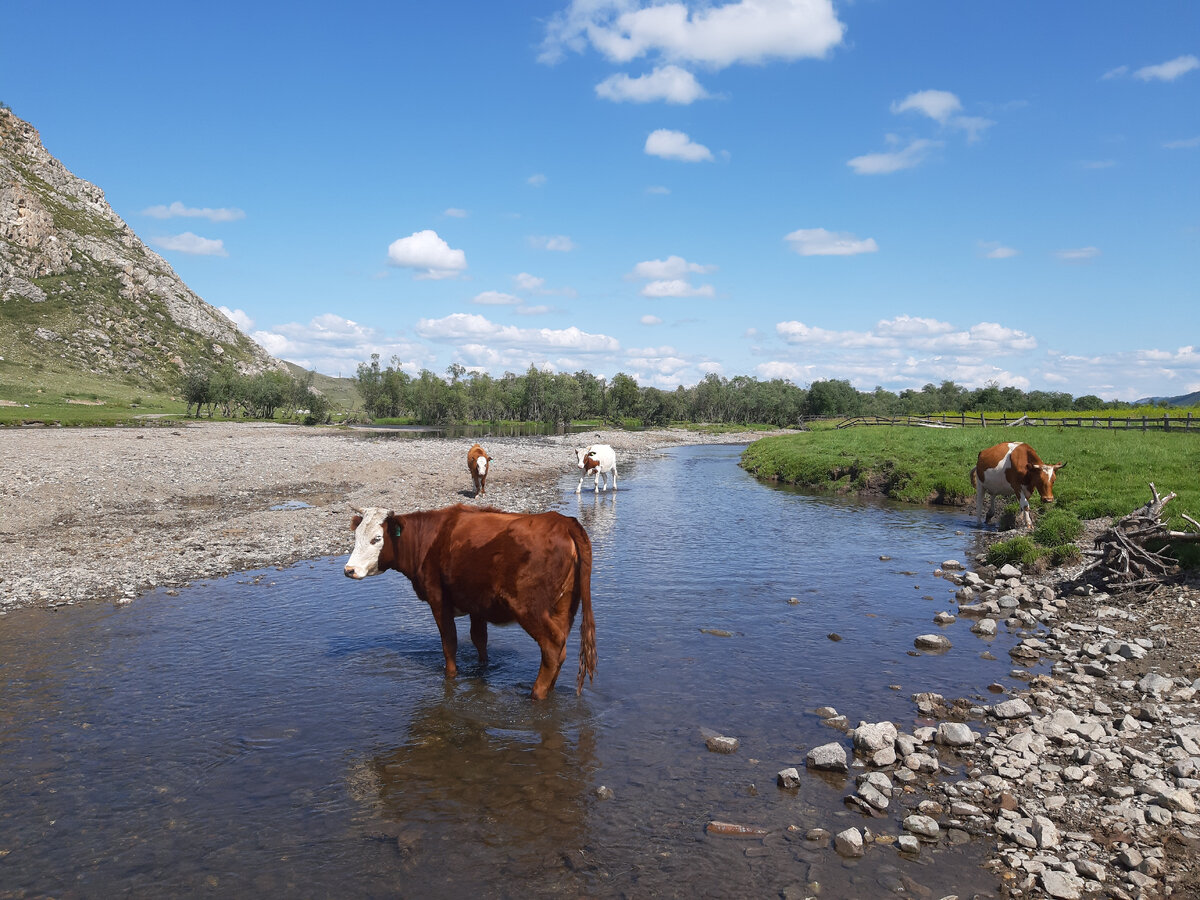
1121,560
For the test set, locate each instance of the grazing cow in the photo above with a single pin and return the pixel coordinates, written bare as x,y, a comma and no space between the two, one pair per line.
1012,468
477,464
496,567
598,460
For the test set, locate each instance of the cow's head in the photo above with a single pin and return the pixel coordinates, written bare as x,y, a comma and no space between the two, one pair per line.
1043,480
581,454
375,530
481,464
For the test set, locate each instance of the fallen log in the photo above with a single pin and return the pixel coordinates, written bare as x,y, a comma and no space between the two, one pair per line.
1121,559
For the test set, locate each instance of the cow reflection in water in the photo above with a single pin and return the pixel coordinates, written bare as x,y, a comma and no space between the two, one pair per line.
479,772
598,514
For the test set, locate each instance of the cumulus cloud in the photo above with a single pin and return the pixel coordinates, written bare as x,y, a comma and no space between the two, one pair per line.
177,209
495,298
191,244
1169,70
907,157
909,333
677,288
937,105
526,282
238,317
1118,72
996,250
335,345
1078,254
671,267
650,320
819,242
464,327
532,310
716,36
668,83
426,252
974,126
676,145
558,243
455,213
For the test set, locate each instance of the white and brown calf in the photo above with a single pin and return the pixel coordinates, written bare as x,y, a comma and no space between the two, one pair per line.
477,464
599,460
1012,469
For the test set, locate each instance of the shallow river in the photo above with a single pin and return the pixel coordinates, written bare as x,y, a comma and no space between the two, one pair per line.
290,733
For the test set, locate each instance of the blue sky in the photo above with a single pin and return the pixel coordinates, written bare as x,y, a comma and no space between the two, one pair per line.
890,192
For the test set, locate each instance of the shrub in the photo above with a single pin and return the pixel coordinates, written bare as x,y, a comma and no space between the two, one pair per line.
1018,551
1056,527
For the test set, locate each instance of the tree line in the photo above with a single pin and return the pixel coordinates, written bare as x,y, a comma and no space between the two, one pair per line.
388,392
223,389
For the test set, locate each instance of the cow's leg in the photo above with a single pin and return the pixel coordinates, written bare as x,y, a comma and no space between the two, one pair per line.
979,492
596,483
479,636
445,622
579,487
551,637
614,477
1024,517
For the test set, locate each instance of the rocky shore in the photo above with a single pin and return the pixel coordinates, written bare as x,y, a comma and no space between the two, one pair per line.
1085,782
107,513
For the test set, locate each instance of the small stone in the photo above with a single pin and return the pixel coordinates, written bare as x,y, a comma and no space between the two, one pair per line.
955,734
1061,885
1011,709
719,743
788,778
828,757
908,843
922,826
605,793
934,642
985,627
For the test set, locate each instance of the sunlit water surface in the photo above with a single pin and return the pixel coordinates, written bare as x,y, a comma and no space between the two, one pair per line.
291,733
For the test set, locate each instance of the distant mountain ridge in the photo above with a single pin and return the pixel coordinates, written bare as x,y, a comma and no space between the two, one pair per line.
81,294
1192,399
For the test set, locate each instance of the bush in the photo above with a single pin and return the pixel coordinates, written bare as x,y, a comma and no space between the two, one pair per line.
1056,527
1018,551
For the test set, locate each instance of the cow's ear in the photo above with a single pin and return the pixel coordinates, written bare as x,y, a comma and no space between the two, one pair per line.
394,524
355,521
1058,466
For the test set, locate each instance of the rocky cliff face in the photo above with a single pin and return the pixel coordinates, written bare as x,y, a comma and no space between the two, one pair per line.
80,291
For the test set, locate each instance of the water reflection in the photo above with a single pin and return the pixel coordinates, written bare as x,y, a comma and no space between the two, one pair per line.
480,771
597,513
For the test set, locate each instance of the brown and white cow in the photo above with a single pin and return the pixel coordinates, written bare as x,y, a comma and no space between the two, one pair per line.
1012,468
496,567
477,464
599,460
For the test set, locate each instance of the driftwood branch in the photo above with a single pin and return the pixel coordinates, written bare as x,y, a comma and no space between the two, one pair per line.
1121,559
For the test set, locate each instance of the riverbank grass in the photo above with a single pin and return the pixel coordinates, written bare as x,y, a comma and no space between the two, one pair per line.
1107,473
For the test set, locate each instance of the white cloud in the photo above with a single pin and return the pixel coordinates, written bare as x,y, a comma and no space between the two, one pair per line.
495,298
428,253
650,320
996,250
532,310
938,105
335,345
1169,70
177,209
455,213
536,180
238,317
526,282
974,126
749,31
658,189
1118,72
669,83
677,288
909,333
671,267
1185,144
676,145
1078,254
463,327
191,244
819,242
559,243
886,163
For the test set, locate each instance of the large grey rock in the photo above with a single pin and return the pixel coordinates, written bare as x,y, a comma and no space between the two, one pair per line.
849,842
1061,885
788,778
1153,683
1011,709
922,826
932,642
828,757
955,734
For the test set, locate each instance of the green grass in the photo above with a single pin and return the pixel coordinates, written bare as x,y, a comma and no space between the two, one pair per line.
1107,472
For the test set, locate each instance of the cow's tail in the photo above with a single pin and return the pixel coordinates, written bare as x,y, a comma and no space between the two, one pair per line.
974,476
583,597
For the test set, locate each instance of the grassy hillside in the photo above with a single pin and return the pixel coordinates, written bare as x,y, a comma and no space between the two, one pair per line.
340,391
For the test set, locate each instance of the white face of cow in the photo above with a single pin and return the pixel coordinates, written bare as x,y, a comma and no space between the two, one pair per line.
481,465
368,542
580,454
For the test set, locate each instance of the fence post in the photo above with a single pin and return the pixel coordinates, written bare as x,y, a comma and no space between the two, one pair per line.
1166,422
1143,423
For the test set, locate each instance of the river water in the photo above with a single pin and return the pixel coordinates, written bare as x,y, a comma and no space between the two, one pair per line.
291,733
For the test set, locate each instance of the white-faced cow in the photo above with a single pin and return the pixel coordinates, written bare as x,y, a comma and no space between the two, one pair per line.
477,464
599,460
1012,468
497,568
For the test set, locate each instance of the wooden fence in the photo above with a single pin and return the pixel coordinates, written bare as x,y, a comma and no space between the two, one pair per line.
1165,422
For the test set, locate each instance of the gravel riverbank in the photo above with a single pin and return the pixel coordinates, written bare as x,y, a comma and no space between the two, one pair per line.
106,513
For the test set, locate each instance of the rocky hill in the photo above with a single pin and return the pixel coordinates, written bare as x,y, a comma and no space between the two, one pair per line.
81,297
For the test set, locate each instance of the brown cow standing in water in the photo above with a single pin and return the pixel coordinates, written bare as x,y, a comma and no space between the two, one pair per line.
477,464
1012,468
497,568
